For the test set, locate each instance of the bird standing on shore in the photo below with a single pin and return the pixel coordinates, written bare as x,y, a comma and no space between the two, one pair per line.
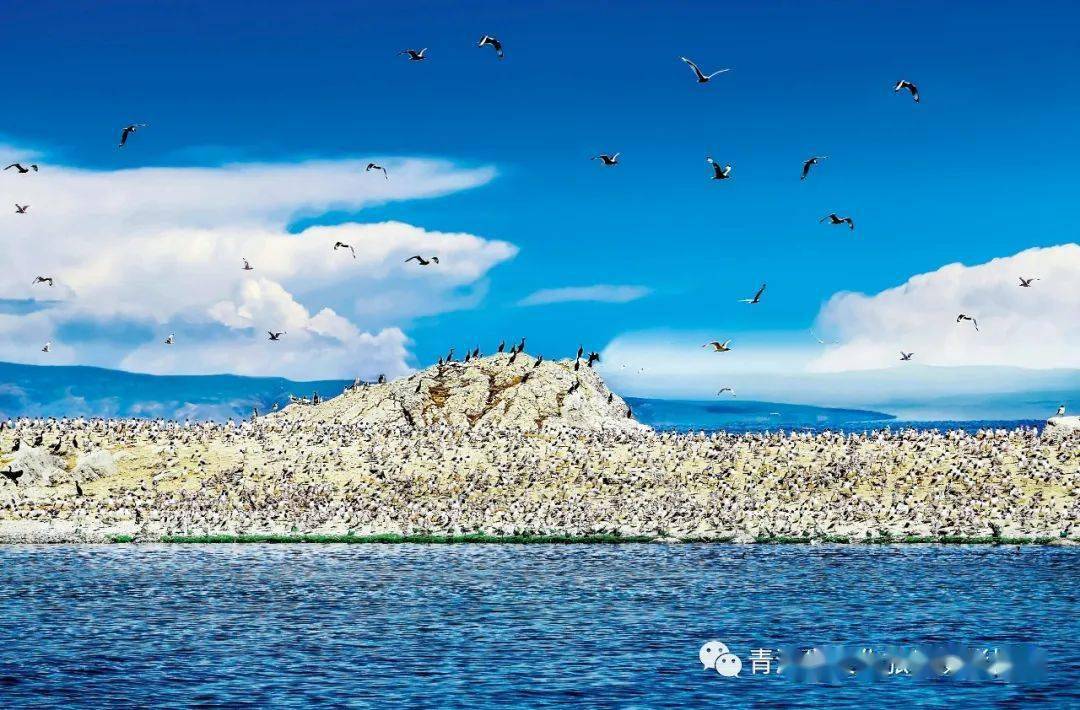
837,219
127,131
493,43
702,77
910,87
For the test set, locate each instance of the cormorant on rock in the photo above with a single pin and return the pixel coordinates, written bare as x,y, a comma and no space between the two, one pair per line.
539,359
502,345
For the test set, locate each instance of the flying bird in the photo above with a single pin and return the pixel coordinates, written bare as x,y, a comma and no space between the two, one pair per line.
701,77
43,280
905,356
833,342
21,169
756,298
494,43
421,260
127,131
171,339
275,336
343,245
1026,283
374,166
607,159
726,389
910,87
414,55
970,318
593,357
47,347
247,266
718,347
719,173
837,219
814,160
21,209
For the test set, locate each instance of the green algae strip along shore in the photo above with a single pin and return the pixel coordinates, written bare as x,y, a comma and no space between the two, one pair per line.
579,540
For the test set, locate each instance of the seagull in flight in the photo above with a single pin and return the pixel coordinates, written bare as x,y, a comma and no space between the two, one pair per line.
275,336
171,339
719,173
247,266
837,219
21,209
756,298
702,78
127,131
494,43
43,280
1026,283
47,347
905,356
910,87
718,347
414,55
343,245
421,260
970,318
812,161
373,166
726,389
607,159
820,340
21,169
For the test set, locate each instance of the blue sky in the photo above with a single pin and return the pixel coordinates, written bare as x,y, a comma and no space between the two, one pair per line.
984,167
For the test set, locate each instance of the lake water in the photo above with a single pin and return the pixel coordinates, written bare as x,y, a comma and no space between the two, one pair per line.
492,625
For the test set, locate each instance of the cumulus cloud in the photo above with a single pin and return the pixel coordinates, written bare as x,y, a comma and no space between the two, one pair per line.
139,253
602,293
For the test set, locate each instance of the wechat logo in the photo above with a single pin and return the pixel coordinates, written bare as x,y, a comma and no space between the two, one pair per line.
716,655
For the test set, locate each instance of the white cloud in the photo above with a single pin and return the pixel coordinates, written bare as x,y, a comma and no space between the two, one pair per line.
603,293
146,251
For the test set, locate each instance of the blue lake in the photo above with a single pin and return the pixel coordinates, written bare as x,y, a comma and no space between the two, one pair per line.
532,626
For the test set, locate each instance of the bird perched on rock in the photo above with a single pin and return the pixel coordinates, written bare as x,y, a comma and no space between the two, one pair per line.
1026,283
593,357
21,209
607,159
422,261
717,346
275,336
493,43
12,476
756,298
539,359
837,219
343,245
127,131
970,318
905,356
702,77
502,346
21,169
414,55
373,166
910,87
811,162
44,280
719,172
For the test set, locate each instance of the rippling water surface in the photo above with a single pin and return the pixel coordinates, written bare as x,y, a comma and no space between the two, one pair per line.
439,626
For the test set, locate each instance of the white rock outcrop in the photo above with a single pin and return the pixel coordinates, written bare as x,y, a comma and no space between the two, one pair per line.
93,465
1061,425
38,466
498,391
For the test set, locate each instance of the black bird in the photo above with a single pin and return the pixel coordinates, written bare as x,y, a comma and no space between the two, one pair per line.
420,382
629,412
607,159
539,359
12,476
39,440
21,209
521,345
702,78
476,353
756,298
21,169
43,280
408,417
719,172
593,357
502,345
468,356
1026,283
275,336
18,445
414,55
78,489
577,364
127,131
421,260
837,219
580,351
343,245
905,356
573,387
373,166
450,355
494,43
513,356
610,396
970,318
810,163
910,87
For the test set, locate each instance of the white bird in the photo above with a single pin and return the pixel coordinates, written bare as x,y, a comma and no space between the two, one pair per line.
343,245
171,339
247,266
373,166
756,298
910,87
495,44
607,159
820,340
414,55
719,173
47,347
702,77
970,318
905,356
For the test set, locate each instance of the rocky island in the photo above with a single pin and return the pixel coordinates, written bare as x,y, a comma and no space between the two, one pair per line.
514,447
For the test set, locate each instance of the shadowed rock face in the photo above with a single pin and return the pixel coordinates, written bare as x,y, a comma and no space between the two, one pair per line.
489,392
